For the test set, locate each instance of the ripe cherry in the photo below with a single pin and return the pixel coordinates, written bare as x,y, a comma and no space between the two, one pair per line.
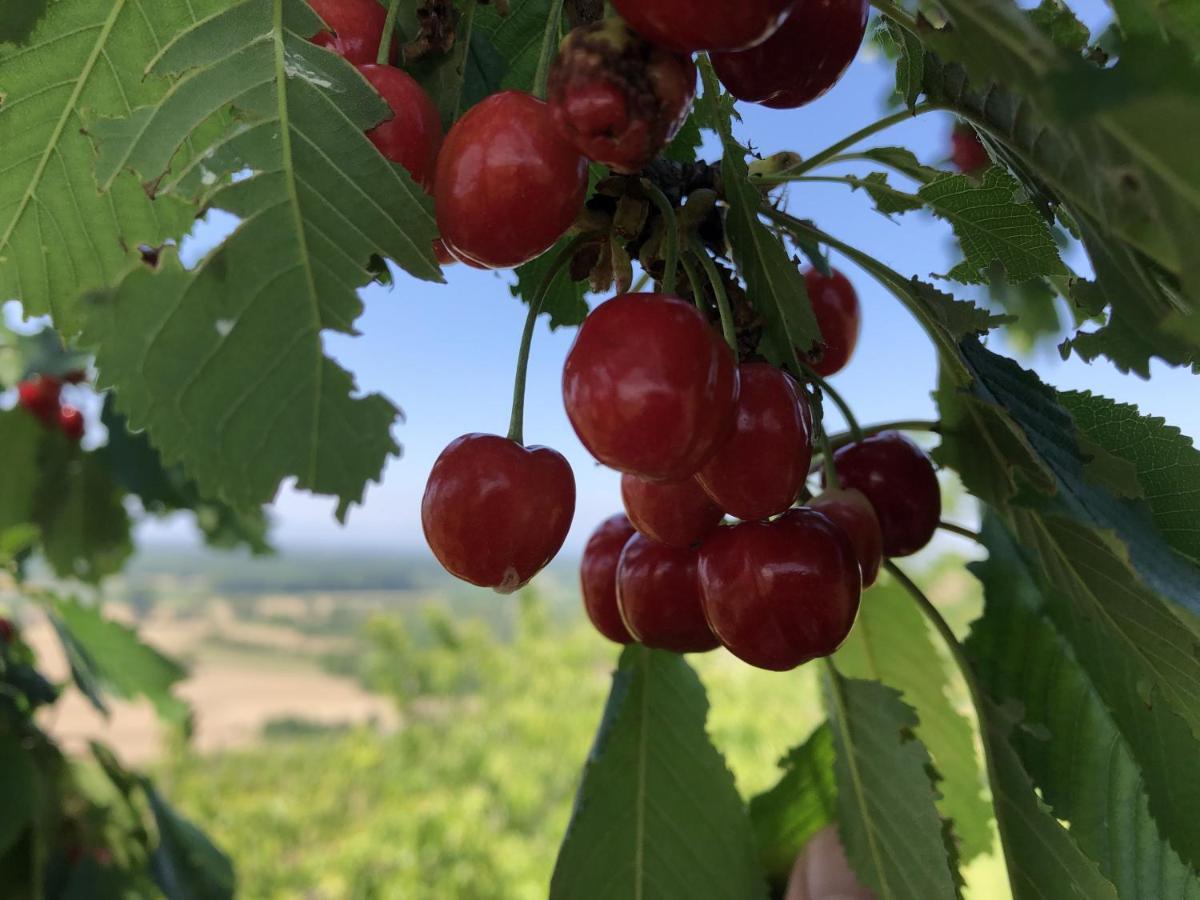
851,511
659,596
413,136
444,256
598,577
618,98
356,27
969,154
898,478
678,513
650,387
507,185
70,422
495,512
781,593
839,317
686,26
759,471
802,60
40,395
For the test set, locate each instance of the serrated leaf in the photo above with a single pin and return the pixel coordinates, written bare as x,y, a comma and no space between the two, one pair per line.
686,143
886,799
888,200
657,815
19,786
564,304
186,864
910,64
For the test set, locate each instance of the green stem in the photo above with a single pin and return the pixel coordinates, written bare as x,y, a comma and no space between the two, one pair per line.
389,34
841,440
693,278
550,39
961,531
900,15
718,286
832,480
837,398
671,226
516,425
641,283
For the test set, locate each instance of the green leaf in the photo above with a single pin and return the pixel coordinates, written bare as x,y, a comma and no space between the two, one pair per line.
686,144
1060,24
658,814
20,788
910,64
886,799
1178,18
186,864
903,161
888,200
20,17
565,302
519,37
891,643
800,805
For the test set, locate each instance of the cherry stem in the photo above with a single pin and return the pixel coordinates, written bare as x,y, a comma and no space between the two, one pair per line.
840,401
841,440
962,531
641,283
718,287
389,34
550,39
693,278
671,226
516,425
832,479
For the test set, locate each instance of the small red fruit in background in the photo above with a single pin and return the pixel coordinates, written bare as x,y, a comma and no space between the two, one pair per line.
413,136
356,28
507,184
839,317
759,470
7,631
70,422
779,594
851,511
969,154
898,478
650,387
686,26
802,60
659,596
618,98
598,577
678,513
495,512
40,395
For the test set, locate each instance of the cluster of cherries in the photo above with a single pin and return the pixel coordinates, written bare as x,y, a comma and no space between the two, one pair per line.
41,396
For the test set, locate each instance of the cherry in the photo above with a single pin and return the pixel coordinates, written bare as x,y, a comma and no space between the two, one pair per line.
40,395
969,154
356,29
70,422
802,60
495,512
898,478
618,98
444,256
839,317
507,185
659,597
678,513
7,631
759,471
781,593
686,26
649,386
413,136
598,577
851,511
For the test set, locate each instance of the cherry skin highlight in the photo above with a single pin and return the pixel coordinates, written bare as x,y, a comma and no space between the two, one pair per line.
898,478
598,577
968,153
678,513
779,594
687,26
800,61
759,470
413,136
851,511
495,512
839,317
356,28
659,597
507,185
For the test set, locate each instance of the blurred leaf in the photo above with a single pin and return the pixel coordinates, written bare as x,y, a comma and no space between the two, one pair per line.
902,160
19,781
686,143
910,64
186,864
1057,20
519,37
20,17
565,303
1178,18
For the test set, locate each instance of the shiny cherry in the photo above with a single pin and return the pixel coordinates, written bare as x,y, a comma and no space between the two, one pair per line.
650,387
898,478
659,597
851,511
355,28
70,422
444,256
686,26
759,470
802,60
678,513
495,512
781,593
969,154
40,395
598,577
507,185
839,317
413,136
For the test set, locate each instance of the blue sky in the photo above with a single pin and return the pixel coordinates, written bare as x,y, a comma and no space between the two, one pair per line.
446,353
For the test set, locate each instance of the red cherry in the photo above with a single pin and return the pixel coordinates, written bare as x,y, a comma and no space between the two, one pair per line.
898,478
759,471
507,185
678,513
40,395
659,597
357,26
444,256
686,26
851,511
7,631
598,576
413,136
802,60
650,387
70,422
839,317
495,512
781,593
969,154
